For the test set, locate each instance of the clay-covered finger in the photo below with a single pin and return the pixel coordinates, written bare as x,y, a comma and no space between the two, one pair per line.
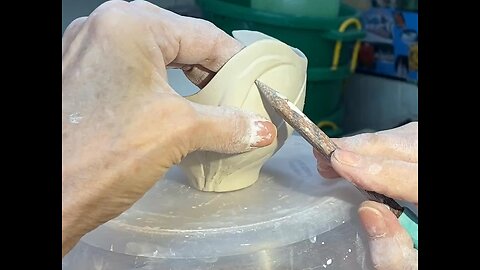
71,32
324,167
394,178
391,247
399,143
231,130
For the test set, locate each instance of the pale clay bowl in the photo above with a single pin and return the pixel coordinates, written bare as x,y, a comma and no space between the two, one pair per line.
275,64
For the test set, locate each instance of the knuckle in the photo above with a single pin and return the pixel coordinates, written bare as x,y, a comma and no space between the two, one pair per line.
204,23
112,4
372,138
215,34
109,15
75,23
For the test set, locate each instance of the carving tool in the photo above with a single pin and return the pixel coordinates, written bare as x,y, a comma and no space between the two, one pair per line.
323,144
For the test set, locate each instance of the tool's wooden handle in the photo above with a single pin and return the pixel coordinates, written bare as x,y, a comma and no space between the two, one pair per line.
396,208
323,144
315,136
311,132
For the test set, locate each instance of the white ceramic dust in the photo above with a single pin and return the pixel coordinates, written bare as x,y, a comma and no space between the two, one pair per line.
75,118
255,128
387,252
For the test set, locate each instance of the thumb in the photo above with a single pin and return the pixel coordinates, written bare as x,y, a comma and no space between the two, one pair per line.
391,247
230,130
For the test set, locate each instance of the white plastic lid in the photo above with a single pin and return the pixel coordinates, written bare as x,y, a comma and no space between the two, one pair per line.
289,203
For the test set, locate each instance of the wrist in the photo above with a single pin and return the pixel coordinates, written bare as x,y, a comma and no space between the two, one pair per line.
76,221
72,230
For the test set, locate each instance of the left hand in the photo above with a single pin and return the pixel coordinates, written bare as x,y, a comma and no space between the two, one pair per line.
123,124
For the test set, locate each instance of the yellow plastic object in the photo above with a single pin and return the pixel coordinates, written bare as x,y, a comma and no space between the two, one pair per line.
338,44
330,124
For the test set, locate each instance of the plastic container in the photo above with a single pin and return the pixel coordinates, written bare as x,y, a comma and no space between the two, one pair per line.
290,218
324,91
301,8
316,37
332,124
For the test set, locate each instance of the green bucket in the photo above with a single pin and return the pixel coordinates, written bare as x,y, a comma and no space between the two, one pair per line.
316,37
324,91
330,44
306,8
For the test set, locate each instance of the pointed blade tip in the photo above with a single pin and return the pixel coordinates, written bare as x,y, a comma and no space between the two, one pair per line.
261,86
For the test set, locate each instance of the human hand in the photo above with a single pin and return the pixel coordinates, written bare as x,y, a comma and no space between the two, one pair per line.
385,162
123,126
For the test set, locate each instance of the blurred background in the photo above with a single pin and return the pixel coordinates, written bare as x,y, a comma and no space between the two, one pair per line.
363,54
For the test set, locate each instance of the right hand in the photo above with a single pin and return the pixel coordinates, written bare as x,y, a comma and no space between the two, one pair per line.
385,162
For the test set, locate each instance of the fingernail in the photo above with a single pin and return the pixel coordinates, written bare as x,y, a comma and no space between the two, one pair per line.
187,68
263,133
347,158
373,221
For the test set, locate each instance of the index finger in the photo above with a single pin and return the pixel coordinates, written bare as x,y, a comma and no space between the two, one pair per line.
189,41
395,178
397,143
